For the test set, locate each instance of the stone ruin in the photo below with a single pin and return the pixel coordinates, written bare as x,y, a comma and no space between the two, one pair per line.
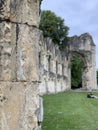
55,65
31,65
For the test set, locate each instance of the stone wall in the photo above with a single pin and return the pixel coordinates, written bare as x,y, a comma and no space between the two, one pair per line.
84,46
19,69
55,66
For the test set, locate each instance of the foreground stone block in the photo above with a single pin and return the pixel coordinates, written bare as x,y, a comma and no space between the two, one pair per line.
27,54
20,11
18,106
19,72
7,51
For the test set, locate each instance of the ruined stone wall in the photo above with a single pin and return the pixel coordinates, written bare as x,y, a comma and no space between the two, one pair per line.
19,69
55,68
84,46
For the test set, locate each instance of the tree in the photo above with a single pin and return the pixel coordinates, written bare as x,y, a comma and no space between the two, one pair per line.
76,72
53,27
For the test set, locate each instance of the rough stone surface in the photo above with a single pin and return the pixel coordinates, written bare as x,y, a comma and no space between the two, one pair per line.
21,11
19,67
27,54
18,105
7,51
17,48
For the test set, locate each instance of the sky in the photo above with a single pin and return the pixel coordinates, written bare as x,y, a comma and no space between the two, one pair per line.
81,16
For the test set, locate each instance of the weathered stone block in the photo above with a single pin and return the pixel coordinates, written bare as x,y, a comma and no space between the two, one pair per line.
51,86
18,106
4,9
7,51
20,11
27,54
25,11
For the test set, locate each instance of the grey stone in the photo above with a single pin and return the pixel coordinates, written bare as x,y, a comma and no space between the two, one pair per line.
20,11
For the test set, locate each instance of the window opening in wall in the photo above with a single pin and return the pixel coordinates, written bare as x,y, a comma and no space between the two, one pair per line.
39,58
49,63
76,72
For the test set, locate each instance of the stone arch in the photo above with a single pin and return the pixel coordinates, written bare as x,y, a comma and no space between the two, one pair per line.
85,48
83,66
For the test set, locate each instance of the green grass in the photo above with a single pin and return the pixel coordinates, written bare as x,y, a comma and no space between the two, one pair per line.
70,111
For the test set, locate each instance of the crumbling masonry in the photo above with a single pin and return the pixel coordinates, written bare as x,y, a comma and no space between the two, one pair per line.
53,68
55,65
31,65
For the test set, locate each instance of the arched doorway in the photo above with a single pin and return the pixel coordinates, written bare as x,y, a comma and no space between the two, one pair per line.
84,47
77,65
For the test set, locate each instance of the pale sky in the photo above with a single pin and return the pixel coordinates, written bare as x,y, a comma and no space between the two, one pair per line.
80,16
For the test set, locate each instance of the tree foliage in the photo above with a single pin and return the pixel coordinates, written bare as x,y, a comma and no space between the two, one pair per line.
76,72
53,27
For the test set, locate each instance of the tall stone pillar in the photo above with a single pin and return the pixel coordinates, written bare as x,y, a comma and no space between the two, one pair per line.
94,84
19,100
89,70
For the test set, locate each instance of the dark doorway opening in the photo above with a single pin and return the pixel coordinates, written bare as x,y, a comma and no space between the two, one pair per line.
76,72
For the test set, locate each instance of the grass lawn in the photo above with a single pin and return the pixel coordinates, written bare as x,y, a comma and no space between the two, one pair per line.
70,111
